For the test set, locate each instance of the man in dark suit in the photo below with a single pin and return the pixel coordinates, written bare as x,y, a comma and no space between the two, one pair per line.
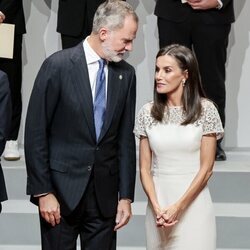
74,20
79,142
5,116
11,11
204,26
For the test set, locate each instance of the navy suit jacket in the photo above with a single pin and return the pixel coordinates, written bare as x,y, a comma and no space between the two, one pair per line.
13,10
5,117
176,11
60,142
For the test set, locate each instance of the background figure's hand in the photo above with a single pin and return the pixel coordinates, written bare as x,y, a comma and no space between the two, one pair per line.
50,209
2,17
171,215
123,213
203,4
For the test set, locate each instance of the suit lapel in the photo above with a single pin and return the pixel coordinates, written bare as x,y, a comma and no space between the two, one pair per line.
80,79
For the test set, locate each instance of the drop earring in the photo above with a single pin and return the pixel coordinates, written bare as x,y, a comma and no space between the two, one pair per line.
183,82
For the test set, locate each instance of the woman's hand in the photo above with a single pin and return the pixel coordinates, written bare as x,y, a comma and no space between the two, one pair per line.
171,215
158,212
160,221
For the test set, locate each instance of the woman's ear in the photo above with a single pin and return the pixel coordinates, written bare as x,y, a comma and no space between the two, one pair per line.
185,73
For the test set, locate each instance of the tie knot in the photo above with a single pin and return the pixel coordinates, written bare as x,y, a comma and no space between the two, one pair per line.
102,63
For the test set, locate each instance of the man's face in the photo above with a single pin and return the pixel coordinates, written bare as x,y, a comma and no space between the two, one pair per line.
120,41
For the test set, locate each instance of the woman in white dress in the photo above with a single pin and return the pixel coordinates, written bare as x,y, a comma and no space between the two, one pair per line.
178,133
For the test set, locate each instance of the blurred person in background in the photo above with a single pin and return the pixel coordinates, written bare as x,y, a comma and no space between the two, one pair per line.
11,11
75,19
5,118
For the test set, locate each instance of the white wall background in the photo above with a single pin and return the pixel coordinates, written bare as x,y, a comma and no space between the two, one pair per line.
42,40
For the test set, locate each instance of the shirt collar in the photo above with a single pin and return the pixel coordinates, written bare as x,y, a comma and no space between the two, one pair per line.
91,55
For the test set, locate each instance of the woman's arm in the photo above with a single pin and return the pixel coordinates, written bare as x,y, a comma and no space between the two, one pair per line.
207,155
147,180
145,158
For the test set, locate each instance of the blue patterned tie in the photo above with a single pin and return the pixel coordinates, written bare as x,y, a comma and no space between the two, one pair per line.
100,99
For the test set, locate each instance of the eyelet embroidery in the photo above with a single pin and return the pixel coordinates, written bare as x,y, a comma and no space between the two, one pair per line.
209,119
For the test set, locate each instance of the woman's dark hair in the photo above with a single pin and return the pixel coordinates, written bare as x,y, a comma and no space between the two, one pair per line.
192,92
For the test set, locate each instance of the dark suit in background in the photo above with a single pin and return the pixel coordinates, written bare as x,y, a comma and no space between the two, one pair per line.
5,116
13,11
75,18
206,31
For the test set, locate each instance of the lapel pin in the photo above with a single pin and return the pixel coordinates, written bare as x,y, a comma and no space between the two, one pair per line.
120,77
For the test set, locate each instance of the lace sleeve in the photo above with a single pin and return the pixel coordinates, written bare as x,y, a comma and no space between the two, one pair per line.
141,122
212,122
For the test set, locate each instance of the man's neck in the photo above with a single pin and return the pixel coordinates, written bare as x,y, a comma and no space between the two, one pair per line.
95,44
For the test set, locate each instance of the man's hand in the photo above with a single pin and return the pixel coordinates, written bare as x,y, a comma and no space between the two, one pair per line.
123,213
2,17
203,4
50,209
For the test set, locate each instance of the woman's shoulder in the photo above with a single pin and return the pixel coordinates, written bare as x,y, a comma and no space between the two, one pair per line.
143,120
207,104
146,108
209,109
211,119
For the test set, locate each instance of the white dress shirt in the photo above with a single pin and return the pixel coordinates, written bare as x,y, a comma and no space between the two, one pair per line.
93,66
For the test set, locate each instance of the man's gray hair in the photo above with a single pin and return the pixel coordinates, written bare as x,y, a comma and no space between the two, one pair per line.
111,15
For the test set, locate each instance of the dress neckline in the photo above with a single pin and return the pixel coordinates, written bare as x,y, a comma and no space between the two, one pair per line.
175,107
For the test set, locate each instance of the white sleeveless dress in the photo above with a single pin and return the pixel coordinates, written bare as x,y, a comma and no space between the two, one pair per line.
176,161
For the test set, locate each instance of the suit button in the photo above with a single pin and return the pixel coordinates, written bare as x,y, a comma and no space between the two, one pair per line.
97,149
89,168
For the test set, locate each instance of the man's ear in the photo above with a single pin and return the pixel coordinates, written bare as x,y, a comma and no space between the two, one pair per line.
103,34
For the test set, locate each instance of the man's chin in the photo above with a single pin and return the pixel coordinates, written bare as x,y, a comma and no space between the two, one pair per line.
117,58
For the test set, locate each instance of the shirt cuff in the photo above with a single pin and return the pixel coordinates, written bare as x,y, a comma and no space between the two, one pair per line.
220,4
126,199
40,195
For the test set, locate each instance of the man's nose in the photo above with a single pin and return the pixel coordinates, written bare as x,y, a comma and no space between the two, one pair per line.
129,46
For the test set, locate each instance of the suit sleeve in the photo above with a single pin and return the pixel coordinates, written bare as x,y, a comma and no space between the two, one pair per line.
40,112
5,110
9,7
127,151
225,3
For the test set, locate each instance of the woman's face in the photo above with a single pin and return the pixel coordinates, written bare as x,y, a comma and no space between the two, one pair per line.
169,77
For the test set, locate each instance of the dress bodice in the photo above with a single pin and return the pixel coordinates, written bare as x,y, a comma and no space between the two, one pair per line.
176,147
